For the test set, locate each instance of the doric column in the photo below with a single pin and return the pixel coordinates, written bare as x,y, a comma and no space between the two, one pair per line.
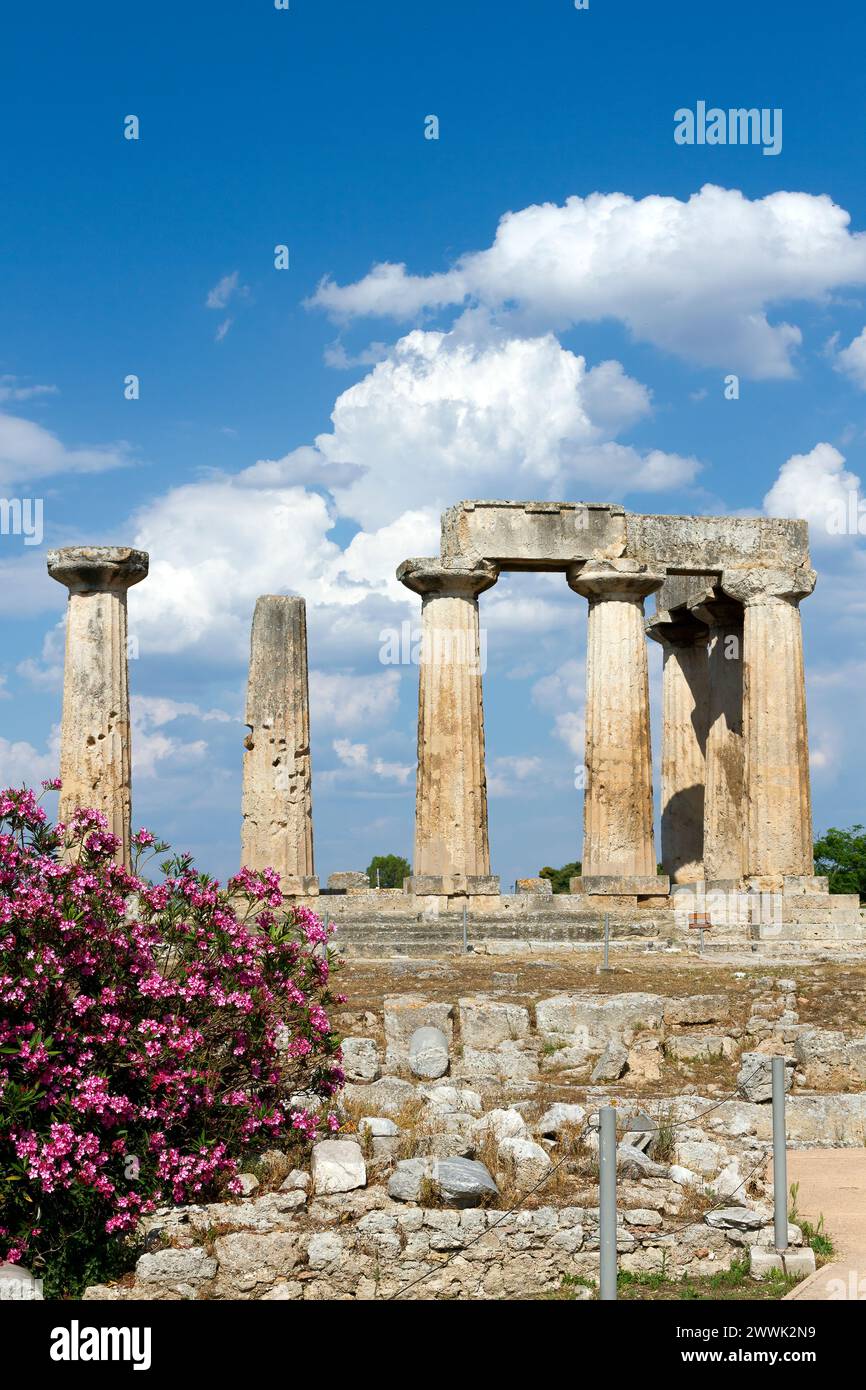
618,798
95,744
724,817
777,797
277,828
684,738
451,840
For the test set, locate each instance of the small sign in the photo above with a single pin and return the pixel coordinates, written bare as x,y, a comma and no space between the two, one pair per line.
699,921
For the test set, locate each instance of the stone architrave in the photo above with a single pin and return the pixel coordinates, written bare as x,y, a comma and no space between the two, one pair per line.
618,797
777,795
277,828
451,839
95,743
724,826
684,737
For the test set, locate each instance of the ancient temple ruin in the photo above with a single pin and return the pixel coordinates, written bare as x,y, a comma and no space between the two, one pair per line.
735,804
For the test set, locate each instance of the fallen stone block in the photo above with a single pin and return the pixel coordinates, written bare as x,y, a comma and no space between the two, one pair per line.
337,1166
361,1059
428,1053
799,1263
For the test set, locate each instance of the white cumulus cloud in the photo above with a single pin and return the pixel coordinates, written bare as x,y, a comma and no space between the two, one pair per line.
697,277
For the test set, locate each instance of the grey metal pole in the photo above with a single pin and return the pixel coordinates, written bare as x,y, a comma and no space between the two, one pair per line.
607,1204
607,941
780,1157
464,929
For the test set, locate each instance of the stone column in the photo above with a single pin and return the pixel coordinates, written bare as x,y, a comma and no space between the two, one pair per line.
95,743
684,739
618,798
277,828
452,852
724,823
777,797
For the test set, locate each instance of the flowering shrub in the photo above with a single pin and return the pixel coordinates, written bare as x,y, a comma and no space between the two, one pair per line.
152,1035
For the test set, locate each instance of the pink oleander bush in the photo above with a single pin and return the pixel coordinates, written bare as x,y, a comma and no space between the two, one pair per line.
154,1037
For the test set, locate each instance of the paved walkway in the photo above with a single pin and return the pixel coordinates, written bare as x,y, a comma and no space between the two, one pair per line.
833,1184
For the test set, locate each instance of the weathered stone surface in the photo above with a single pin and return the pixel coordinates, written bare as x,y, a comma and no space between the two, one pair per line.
559,1116
697,1008
611,1064
406,1182
735,1218
404,1014
687,1047
618,805
463,1182
541,886
701,1155
451,790
450,1100
499,1124
755,1077
248,1258
361,1059
379,1127
387,1096
777,796
685,692
645,1060
822,1052
277,829
192,1266
525,1162
95,741
594,1020
337,1166
485,1023
632,1162
800,1263
347,882
428,1053
508,1062
324,1249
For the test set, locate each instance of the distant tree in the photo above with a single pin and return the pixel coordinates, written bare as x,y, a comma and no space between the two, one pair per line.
559,877
841,855
392,870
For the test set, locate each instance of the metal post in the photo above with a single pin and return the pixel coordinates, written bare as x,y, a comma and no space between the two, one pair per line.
465,946
607,941
780,1156
607,1204
701,941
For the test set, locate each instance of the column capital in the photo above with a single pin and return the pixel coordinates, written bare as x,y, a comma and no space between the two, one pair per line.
623,580
435,576
677,628
753,587
716,609
98,569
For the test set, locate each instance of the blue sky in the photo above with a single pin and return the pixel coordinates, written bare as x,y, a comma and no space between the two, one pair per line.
305,127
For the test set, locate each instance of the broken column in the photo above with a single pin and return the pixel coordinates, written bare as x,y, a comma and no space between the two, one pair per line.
95,744
724,830
452,852
684,735
618,842
277,829
776,796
